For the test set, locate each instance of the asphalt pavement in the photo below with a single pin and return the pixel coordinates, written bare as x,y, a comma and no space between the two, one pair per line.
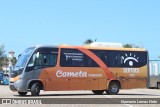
125,98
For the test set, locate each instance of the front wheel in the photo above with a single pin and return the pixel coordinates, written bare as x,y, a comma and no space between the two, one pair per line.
35,89
113,88
98,92
22,93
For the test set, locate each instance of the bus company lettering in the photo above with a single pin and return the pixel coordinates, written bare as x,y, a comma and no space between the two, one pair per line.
131,70
60,73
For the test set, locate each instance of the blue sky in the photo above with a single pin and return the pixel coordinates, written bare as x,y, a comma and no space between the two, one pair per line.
24,23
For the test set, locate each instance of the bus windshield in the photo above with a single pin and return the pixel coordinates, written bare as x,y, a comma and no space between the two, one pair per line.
23,58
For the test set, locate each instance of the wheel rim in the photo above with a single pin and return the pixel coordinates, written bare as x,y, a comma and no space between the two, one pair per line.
114,88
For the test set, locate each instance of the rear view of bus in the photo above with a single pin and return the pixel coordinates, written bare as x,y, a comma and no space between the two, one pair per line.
63,68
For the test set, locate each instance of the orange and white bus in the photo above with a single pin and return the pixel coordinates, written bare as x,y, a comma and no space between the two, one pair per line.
96,68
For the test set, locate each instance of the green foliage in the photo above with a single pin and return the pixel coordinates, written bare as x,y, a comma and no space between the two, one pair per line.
130,46
4,59
13,61
2,56
88,41
2,51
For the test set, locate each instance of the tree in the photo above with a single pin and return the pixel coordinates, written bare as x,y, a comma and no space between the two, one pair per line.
128,46
131,46
2,55
5,62
2,51
13,61
88,41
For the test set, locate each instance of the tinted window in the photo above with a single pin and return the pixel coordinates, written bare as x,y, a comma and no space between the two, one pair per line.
47,57
75,58
122,58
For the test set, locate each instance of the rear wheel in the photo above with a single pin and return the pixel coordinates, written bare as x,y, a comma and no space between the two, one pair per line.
35,89
22,93
98,92
113,88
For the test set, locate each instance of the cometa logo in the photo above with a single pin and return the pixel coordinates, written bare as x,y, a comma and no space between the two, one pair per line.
60,73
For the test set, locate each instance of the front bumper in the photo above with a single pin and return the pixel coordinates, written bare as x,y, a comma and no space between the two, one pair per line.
12,87
20,86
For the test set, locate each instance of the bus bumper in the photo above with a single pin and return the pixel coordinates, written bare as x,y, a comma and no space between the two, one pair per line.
20,86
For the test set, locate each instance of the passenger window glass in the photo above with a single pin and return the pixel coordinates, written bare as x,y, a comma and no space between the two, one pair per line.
47,57
76,58
46,60
122,58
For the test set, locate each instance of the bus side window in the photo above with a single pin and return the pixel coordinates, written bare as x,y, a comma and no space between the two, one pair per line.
65,60
39,60
47,58
104,57
76,58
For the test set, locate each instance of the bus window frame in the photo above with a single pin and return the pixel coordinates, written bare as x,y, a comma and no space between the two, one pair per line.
30,68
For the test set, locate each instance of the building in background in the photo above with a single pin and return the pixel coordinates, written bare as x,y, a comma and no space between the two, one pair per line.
154,68
9,62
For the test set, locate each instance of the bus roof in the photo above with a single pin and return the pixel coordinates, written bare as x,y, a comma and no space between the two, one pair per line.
90,47
104,48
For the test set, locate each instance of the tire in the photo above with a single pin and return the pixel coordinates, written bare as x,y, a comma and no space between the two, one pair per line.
35,89
113,88
107,92
22,93
98,92
158,85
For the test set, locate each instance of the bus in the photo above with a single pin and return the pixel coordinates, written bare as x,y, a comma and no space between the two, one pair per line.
63,68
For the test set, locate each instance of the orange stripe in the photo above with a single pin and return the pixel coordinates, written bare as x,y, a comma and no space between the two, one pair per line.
108,73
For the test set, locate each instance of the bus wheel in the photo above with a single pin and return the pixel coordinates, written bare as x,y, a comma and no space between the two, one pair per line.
158,85
113,88
35,89
98,92
22,93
